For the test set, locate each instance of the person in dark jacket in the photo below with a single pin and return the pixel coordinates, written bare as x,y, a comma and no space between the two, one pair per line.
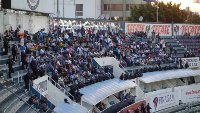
5,45
148,108
10,66
14,52
26,81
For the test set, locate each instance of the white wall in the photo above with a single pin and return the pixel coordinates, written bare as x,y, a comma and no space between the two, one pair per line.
91,8
27,22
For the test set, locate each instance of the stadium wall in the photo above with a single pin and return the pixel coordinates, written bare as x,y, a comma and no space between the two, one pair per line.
31,23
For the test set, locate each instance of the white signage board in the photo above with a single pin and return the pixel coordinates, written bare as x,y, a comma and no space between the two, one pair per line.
193,62
190,94
162,101
43,6
161,29
182,29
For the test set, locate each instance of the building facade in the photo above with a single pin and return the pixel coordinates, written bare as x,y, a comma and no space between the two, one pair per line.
95,9
118,9
77,9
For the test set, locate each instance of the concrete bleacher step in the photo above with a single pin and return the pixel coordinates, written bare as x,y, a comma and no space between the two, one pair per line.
9,99
16,104
5,93
24,108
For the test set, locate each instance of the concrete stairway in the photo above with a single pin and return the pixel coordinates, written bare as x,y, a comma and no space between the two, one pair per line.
11,97
176,45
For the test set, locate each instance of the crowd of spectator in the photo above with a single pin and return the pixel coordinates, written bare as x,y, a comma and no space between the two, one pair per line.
67,56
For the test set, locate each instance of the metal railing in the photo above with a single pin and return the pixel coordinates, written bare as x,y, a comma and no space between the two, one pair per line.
41,90
120,65
60,87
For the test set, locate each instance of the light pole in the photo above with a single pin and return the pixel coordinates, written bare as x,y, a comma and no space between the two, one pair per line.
157,13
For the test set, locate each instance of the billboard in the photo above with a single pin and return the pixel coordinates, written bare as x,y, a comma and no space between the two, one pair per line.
192,62
162,101
43,6
182,29
162,29
196,1
190,94
132,107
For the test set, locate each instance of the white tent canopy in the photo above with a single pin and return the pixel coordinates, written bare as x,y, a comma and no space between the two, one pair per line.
70,108
95,93
170,74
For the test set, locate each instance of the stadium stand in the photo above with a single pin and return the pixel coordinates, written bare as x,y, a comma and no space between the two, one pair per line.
95,68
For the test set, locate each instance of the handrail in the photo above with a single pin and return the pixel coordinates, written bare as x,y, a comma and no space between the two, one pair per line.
50,79
19,98
124,68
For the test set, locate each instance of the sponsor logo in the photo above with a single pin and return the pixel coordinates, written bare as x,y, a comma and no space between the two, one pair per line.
33,4
155,102
193,92
163,100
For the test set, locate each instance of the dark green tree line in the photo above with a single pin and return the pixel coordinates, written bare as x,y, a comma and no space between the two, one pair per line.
168,13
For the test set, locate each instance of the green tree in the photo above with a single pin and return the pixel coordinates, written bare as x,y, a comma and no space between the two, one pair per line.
167,13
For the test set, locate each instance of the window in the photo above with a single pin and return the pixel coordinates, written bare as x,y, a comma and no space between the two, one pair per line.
79,13
79,9
117,7
106,7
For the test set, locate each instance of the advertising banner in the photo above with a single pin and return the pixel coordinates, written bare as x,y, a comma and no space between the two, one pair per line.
182,29
133,107
193,62
161,29
43,6
162,101
190,94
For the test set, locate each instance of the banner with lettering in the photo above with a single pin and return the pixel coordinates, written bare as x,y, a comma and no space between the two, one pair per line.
192,62
162,29
190,94
182,29
164,100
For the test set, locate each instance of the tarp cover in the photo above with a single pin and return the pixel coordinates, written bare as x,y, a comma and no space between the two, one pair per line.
70,108
170,74
95,93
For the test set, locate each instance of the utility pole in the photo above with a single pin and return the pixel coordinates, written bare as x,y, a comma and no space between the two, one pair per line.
110,8
63,8
75,7
57,7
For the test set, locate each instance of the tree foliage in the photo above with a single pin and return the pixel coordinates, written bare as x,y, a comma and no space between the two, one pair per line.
168,13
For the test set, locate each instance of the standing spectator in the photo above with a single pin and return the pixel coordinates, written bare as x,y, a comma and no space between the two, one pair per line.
148,108
5,45
26,81
24,60
14,52
143,110
10,66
